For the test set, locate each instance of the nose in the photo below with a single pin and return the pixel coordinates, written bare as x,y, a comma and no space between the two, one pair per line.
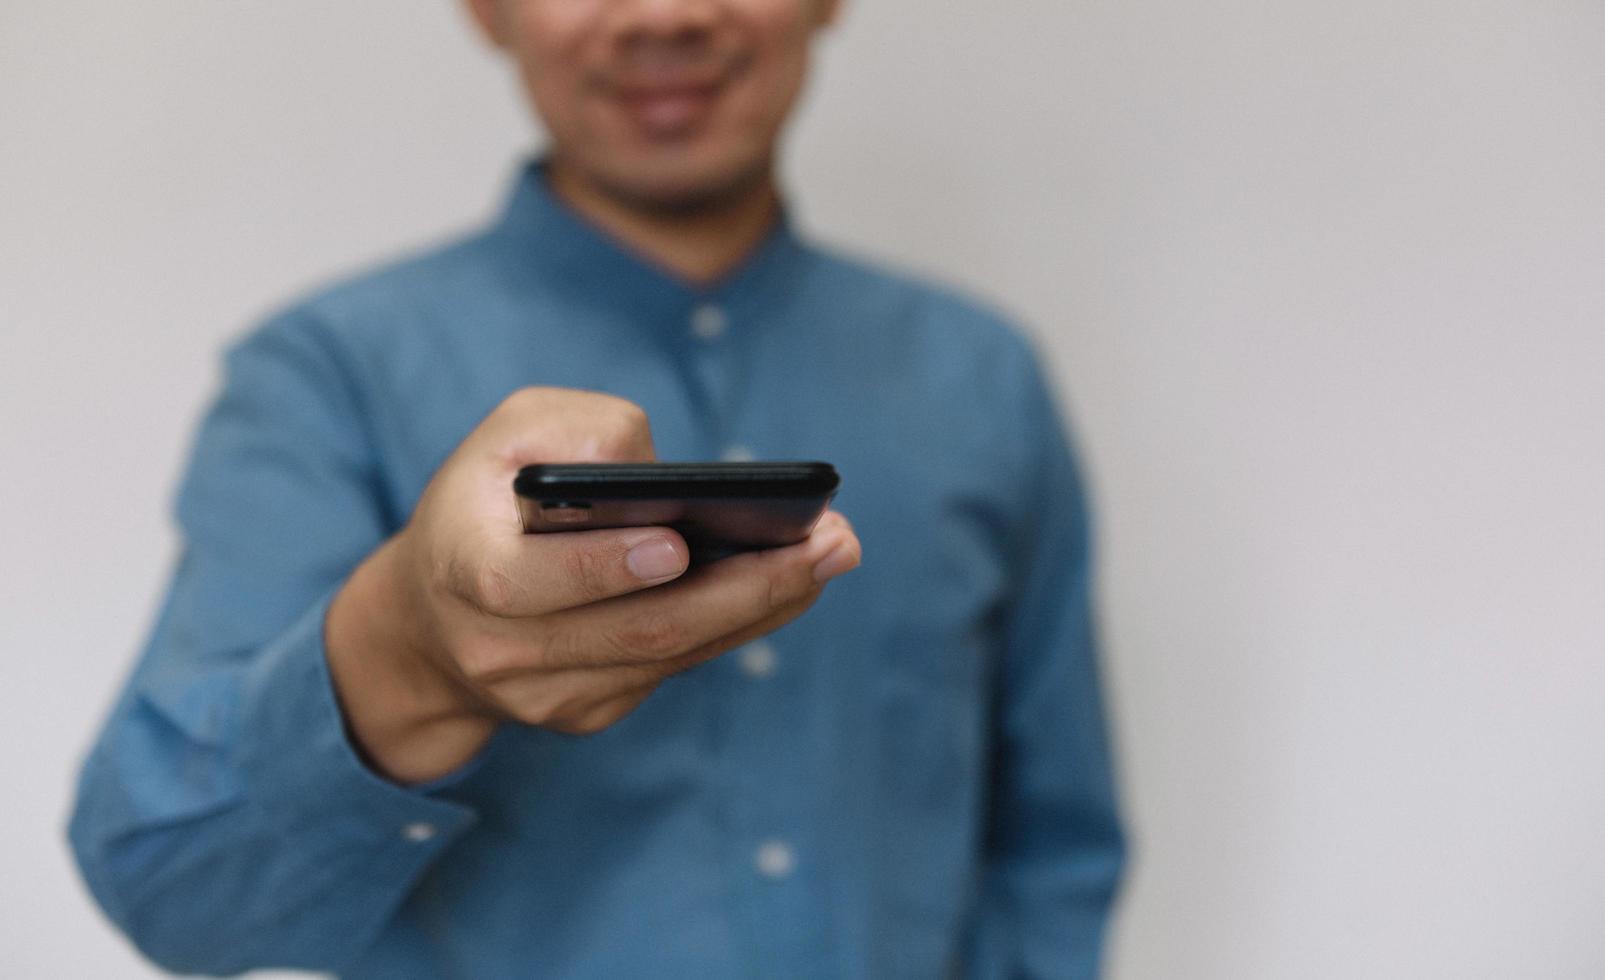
660,20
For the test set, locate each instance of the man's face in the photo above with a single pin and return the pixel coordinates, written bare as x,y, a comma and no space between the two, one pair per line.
667,104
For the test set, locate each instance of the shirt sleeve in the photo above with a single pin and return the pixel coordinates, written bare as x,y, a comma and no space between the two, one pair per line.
1054,849
223,819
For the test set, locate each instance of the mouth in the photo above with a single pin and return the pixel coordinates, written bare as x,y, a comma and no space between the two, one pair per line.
663,100
666,111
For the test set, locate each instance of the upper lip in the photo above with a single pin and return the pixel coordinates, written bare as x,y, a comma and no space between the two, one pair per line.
665,86
659,74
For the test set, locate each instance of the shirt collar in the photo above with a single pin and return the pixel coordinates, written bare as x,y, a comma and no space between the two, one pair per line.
577,258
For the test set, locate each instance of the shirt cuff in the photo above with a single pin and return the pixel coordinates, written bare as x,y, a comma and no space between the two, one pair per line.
305,775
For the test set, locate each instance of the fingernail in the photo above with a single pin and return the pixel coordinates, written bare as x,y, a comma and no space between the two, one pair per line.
841,559
656,559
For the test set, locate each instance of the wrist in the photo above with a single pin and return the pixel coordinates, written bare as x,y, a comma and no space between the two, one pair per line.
408,719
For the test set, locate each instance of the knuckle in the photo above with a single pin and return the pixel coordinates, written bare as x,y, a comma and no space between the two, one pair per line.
608,713
652,635
523,405
493,590
588,570
574,714
627,415
487,659
553,701
561,649
783,581
774,594
542,711
509,406
591,722
784,587
626,430
524,399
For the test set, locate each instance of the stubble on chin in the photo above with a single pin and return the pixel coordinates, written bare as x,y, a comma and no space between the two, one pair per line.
686,198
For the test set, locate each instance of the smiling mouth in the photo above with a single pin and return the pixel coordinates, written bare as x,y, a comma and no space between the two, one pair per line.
669,110
666,98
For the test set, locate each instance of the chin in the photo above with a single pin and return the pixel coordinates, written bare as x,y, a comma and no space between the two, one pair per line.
678,185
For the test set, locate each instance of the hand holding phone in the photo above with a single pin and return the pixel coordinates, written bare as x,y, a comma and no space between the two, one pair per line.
462,621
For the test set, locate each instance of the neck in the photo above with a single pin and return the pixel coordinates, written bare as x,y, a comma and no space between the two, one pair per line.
699,242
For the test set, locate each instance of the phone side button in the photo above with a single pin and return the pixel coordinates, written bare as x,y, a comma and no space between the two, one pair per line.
566,514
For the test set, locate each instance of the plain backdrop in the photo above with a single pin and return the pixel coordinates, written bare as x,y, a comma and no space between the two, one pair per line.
1323,285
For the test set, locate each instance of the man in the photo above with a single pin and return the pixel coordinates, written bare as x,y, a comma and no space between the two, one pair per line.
378,730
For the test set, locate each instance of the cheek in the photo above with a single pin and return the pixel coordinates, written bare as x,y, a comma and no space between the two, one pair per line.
551,41
780,61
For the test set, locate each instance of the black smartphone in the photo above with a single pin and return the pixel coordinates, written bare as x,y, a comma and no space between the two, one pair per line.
720,508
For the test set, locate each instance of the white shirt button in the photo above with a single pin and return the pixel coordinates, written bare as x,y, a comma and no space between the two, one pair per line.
775,859
419,832
758,659
737,454
708,322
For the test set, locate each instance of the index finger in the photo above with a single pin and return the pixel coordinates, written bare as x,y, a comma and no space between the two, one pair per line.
721,599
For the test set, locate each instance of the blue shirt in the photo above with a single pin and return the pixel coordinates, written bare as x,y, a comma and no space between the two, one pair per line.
912,780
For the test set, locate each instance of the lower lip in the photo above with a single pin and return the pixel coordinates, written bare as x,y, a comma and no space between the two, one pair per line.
670,114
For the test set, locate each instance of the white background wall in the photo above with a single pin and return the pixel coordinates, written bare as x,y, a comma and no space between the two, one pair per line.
1324,284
